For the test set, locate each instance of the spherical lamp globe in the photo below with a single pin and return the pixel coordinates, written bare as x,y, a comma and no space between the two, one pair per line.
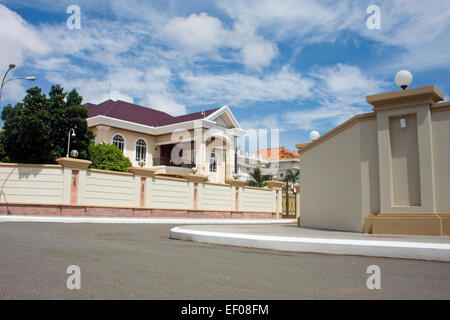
403,79
313,135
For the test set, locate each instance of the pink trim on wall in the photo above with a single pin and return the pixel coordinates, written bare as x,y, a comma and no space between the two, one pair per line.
236,200
196,195
92,211
142,202
74,187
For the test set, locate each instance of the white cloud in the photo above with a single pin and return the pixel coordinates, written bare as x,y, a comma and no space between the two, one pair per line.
196,33
164,103
18,39
258,54
339,94
237,88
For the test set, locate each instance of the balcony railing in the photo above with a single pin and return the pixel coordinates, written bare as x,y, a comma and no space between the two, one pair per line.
166,161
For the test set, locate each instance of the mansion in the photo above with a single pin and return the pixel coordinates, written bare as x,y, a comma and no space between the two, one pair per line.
202,142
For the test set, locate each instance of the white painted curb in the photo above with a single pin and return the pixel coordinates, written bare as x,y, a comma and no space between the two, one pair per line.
141,220
375,248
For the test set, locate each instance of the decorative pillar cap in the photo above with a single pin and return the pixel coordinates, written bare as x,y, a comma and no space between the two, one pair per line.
297,187
405,98
72,163
236,183
138,171
197,177
275,185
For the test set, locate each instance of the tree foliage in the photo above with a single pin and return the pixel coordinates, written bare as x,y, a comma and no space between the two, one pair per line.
257,179
291,178
108,157
36,129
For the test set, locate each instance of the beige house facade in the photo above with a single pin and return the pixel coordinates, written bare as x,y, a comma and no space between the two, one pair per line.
201,143
384,172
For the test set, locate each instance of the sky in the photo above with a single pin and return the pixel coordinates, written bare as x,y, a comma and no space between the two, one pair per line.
291,65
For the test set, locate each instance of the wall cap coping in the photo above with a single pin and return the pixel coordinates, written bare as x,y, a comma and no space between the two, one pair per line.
347,124
74,163
138,171
405,98
236,183
276,185
29,165
441,106
197,177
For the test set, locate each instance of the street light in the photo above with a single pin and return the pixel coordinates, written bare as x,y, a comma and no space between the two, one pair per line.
11,67
68,142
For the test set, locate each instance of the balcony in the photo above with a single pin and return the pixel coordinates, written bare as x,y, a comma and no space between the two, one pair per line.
166,161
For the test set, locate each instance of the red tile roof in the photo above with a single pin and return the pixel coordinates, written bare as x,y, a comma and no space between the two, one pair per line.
271,154
134,113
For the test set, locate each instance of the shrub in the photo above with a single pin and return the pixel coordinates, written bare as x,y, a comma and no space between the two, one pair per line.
108,157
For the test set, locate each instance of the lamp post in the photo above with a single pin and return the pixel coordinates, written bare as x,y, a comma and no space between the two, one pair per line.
68,142
11,67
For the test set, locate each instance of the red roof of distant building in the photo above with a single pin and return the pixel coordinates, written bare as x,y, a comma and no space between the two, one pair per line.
134,113
280,153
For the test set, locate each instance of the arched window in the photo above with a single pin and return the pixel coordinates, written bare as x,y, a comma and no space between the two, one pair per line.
141,150
212,162
118,141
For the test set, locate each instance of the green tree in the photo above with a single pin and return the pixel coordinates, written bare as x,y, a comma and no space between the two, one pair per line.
257,179
108,157
290,179
36,129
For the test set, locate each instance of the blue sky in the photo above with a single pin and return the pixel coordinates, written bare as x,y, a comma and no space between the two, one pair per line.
295,65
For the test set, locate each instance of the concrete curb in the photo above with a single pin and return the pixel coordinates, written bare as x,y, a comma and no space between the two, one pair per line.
375,248
141,220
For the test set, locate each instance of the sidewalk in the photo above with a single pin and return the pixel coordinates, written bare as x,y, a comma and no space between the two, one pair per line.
289,237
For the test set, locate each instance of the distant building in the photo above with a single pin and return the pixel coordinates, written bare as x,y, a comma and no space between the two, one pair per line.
274,161
148,137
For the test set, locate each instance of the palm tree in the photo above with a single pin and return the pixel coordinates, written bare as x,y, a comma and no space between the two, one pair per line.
290,178
257,179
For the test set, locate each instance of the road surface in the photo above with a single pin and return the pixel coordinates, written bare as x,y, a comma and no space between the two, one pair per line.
120,261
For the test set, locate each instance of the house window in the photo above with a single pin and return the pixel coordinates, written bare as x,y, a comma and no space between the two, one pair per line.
141,150
212,162
119,142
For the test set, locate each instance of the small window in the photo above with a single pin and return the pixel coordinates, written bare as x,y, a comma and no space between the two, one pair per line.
212,163
141,150
119,142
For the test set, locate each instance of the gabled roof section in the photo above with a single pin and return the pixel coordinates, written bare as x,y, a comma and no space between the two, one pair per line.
224,110
138,114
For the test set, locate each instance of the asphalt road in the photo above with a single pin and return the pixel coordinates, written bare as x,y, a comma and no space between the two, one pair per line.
141,262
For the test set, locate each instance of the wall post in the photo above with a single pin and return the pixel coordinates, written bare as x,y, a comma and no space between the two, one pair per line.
142,185
297,202
74,174
194,190
276,187
235,186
